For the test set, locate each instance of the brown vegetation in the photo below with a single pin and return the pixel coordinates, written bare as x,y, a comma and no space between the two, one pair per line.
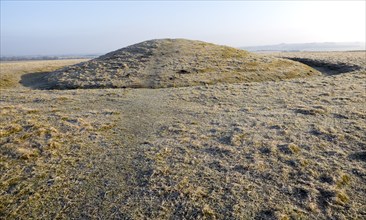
292,149
174,63
11,72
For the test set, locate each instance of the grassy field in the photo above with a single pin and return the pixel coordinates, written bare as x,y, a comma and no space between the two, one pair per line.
291,149
12,71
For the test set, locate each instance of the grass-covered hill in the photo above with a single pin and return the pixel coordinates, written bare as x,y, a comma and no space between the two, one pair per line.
174,63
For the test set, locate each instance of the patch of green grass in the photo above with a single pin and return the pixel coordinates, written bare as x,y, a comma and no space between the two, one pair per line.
342,198
343,180
294,148
229,52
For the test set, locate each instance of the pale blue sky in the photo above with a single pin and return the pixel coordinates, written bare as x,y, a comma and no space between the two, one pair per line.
82,27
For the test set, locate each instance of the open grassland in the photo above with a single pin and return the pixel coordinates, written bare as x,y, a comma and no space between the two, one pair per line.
293,149
331,62
12,71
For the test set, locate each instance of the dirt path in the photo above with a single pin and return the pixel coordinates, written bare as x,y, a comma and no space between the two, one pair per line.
156,66
117,182
103,168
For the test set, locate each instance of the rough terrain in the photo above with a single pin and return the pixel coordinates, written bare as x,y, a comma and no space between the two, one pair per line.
287,149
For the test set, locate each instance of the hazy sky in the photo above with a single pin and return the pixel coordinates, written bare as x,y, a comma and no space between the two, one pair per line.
80,27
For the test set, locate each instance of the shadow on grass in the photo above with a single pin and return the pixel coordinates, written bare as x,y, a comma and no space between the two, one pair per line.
36,80
327,68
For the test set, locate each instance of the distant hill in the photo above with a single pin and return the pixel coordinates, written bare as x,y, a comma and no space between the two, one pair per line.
327,46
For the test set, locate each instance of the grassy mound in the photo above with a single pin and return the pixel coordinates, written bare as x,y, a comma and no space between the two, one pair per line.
174,63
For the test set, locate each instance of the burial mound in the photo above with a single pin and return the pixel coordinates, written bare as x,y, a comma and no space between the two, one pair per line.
174,63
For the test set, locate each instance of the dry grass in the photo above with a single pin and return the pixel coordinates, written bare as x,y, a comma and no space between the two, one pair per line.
11,72
175,63
332,63
291,149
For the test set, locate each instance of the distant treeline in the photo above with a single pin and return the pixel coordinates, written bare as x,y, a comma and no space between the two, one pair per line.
25,58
